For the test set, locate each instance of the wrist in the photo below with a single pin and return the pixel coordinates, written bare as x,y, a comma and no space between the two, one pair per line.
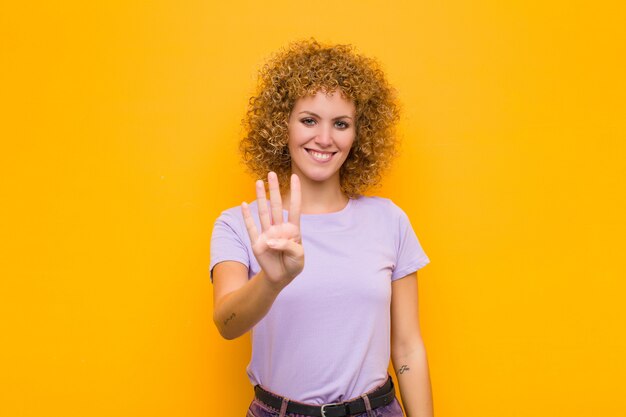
272,287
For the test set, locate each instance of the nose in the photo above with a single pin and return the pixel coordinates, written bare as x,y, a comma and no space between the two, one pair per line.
324,137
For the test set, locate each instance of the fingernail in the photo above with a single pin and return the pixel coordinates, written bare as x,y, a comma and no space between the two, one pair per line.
272,242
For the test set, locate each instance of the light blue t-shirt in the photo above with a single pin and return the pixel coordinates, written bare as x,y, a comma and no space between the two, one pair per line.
326,338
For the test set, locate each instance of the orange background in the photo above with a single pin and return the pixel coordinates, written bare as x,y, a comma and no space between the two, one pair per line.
119,131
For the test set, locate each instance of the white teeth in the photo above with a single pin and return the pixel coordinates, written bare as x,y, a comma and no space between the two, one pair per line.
320,155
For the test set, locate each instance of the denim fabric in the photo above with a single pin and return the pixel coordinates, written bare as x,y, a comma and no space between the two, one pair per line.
260,409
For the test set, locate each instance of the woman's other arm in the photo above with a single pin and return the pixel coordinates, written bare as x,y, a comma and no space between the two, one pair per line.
408,353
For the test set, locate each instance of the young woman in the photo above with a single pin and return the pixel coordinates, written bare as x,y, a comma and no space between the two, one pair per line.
324,276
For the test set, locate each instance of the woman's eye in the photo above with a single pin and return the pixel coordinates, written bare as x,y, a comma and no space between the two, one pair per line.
341,125
308,121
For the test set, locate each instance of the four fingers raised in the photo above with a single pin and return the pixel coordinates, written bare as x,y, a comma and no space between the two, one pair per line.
275,205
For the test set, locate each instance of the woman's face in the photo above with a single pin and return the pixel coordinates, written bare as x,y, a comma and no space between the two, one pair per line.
321,132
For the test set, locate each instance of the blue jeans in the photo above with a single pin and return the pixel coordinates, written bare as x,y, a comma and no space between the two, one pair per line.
259,409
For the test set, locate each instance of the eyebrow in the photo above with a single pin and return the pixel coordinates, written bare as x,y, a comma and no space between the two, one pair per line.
316,115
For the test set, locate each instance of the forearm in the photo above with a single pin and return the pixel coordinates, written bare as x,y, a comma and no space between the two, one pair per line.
238,311
414,380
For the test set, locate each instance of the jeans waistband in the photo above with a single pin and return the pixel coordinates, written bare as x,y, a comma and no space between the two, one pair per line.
377,397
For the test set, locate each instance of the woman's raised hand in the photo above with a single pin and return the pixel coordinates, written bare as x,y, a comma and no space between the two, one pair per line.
278,248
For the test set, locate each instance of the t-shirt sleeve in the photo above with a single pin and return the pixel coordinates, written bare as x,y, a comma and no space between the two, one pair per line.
410,255
227,242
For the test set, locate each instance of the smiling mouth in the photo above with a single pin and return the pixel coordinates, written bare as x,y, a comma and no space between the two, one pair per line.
320,156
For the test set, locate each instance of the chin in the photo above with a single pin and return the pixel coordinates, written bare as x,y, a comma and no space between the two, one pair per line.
310,172
318,177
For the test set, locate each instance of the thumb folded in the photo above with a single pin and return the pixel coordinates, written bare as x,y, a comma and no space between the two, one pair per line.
288,246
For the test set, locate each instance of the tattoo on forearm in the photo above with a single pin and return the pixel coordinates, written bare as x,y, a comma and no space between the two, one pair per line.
232,316
403,369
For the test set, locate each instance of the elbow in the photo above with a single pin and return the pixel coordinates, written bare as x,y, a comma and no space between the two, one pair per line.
228,323
227,336
221,329
405,348
225,332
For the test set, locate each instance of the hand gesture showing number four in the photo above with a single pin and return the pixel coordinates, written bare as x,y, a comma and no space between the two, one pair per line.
278,249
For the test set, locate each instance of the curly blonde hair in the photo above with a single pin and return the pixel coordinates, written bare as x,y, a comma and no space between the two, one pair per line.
302,69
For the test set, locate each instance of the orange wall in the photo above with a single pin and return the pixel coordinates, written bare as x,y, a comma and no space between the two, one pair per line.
119,132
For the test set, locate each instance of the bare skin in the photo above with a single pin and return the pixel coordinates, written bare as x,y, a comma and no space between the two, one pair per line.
278,248
241,303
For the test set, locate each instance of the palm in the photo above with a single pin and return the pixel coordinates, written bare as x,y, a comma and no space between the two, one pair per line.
278,248
274,262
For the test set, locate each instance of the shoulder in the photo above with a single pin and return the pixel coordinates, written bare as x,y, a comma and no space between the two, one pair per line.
231,213
229,217
380,206
232,218
234,214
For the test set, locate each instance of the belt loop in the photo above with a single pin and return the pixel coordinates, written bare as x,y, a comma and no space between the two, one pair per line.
368,407
283,407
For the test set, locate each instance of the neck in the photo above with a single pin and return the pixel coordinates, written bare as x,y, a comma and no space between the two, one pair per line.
318,197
